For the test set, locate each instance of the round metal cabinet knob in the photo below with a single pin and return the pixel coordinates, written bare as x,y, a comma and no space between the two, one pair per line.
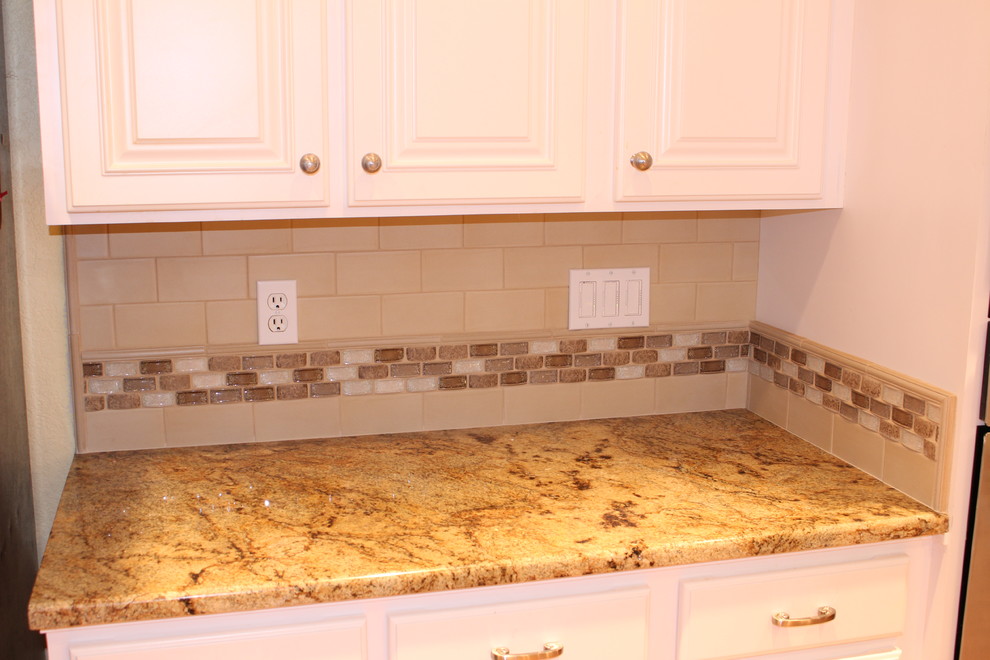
309,163
642,161
371,163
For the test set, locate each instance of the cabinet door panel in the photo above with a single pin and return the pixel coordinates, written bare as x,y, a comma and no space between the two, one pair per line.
467,101
330,640
192,103
605,625
729,98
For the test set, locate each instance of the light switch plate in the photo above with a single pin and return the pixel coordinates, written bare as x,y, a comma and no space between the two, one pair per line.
609,298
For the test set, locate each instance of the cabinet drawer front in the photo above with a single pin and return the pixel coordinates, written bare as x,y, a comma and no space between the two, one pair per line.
606,625
731,617
342,639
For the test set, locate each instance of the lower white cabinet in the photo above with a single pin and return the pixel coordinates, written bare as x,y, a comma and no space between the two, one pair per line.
342,639
588,627
717,610
743,616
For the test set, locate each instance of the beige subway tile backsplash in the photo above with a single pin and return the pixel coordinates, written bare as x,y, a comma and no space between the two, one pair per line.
421,232
202,278
147,240
529,267
500,311
164,325
728,226
423,313
335,235
117,281
659,228
623,256
503,230
340,317
315,274
696,262
583,229
466,269
378,272
254,237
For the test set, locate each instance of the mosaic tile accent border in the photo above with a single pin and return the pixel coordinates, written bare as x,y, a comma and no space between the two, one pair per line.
269,376
850,389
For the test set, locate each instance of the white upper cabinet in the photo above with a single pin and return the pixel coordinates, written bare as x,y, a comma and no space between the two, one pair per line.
192,103
155,111
729,100
466,102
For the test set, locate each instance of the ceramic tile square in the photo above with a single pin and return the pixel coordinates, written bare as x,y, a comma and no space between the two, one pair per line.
182,279
421,232
297,420
495,311
336,235
462,409
315,274
96,327
208,424
118,281
696,262
548,403
672,303
182,239
678,227
392,413
231,322
160,325
87,241
462,270
142,428
378,272
728,226
534,267
248,237
503,230
583,228
341,317
623,256
729,301
423,313
690,393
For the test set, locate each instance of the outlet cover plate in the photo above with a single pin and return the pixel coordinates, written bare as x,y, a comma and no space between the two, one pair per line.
278,321
609,298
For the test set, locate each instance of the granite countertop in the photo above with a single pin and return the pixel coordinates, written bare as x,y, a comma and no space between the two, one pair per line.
178,532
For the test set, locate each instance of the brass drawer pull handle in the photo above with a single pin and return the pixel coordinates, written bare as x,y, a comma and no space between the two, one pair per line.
550,650
784,620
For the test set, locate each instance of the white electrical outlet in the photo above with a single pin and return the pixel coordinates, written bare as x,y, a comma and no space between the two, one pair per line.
278,322
609,298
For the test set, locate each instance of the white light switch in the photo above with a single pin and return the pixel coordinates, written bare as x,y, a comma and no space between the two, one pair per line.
609,298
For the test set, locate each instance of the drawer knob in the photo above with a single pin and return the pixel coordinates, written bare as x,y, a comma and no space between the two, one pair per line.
550,650
371,163
641,160
309,163
784,620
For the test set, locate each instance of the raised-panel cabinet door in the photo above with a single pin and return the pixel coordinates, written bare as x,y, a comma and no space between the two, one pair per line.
193,103
342,639
461,102
727,98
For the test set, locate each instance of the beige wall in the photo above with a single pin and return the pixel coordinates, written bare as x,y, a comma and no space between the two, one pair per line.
900,276
40,279
141,287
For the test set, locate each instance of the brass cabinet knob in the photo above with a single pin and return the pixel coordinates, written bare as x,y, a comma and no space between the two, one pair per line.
642,161
371,163
310,163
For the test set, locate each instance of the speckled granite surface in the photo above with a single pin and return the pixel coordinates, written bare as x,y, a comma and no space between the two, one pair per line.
168,533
